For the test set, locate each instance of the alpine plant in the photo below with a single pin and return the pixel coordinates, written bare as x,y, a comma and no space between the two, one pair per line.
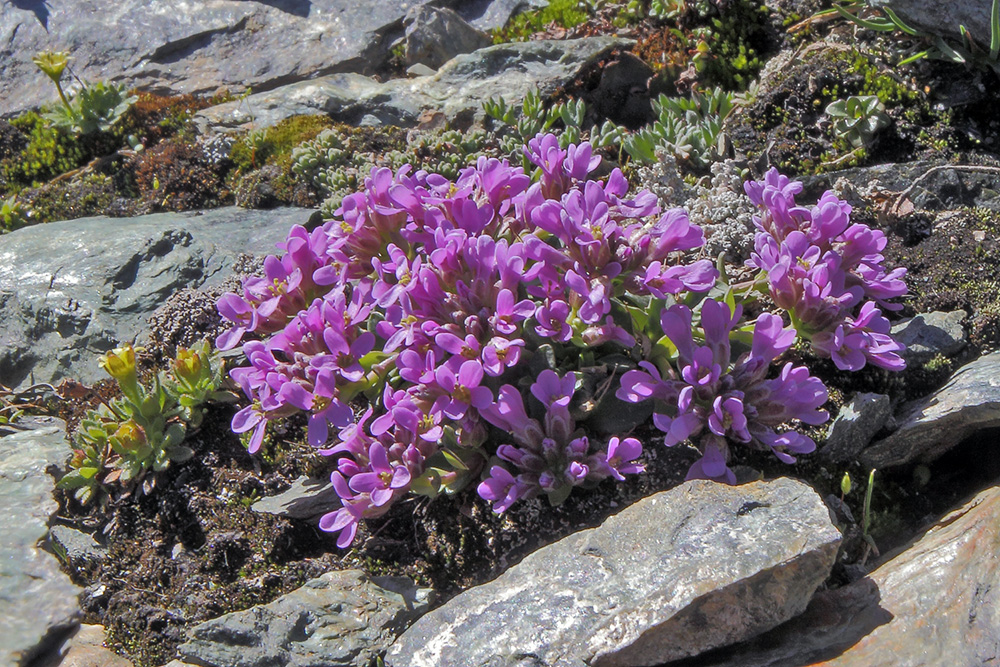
404,327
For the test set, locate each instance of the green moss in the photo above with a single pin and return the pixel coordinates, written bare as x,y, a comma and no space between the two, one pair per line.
274,145
938,364
561,13
730,47
87,196
49,153
881,84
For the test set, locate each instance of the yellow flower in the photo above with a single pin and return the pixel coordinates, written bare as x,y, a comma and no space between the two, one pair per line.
188,365
120,364
130,435
52,63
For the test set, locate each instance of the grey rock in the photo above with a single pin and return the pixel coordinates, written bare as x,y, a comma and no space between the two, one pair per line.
70,291
928,335
944,190
420,70
308,498
434,36
342,618
39,601
192,47
492,14
931,426
77,544
855,426
457,89
700,566
937,602
623,91
944,17
83,648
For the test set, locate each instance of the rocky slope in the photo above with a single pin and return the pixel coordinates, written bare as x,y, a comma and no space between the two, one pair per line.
221,563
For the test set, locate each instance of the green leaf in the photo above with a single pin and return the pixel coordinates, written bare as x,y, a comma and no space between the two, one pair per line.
665,345
454,460
180,454
640,318
867,516
73,480
881,25
428,484
223,397
559,496
896,21
948,52
995,30
914,58
174,436
88,472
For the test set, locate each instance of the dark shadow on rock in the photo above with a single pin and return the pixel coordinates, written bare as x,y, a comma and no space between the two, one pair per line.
37,7
834,621
294,7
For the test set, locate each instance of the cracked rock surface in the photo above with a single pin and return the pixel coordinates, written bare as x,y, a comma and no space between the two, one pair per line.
37,600
638,589
70,291
199,46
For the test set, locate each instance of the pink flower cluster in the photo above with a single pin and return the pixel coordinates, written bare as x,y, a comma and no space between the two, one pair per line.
427,296
716,400
827,272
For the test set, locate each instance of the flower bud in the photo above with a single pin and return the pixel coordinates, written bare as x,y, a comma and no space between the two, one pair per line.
188,365
119,363
130,435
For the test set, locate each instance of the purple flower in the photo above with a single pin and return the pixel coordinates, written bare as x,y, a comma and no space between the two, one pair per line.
620,457
551,390
638,386
412,292
712,464
501,354
502,489
346,519
552,456
327,408
553,321
235,309
509,315
715,399
821,268
251,417
461,390
384,480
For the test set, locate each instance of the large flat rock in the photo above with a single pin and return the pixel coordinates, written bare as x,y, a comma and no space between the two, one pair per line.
198,46
341,619
931,426
37,601
70,291
936,603
458,88
687,570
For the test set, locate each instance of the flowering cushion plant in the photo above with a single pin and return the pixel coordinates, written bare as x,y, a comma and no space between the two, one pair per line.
433,298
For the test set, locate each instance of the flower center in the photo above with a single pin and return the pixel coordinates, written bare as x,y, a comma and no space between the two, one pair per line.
462,394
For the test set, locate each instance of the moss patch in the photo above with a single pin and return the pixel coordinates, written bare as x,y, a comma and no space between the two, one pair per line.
789,122
957,267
